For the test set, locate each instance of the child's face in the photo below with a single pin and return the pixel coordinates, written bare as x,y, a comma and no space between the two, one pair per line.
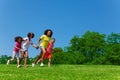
31,36
48,33
19,40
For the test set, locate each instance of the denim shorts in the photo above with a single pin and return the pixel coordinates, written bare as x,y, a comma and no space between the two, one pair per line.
42,47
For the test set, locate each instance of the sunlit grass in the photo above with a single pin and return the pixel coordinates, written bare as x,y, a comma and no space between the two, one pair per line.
60,72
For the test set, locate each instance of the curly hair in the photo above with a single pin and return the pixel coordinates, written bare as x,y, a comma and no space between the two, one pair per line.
17,37
30,33
46,31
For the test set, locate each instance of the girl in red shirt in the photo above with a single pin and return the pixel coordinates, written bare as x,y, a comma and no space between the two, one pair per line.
48,53
17,47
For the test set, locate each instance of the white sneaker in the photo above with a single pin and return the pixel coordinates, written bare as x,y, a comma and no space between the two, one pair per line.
18,66
41,64
8,62
33,64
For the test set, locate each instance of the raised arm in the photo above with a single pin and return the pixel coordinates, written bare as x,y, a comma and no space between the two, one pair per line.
39,41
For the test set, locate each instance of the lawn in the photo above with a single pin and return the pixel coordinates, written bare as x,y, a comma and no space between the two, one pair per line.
60,72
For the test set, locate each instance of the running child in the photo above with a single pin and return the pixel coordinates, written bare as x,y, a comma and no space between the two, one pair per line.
48,53
43,45
25,45
17,47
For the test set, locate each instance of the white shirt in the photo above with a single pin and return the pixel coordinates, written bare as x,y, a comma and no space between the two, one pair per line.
26,43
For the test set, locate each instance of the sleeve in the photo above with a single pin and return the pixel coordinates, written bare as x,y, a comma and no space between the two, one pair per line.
42,36
25,39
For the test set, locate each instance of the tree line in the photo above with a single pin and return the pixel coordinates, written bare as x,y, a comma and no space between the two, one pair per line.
90,48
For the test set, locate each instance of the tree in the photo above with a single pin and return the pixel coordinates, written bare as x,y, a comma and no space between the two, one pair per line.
91,45
113,49
3,59
94,44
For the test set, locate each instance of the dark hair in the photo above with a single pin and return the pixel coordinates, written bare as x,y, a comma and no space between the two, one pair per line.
46,31
30,33
53,38
17,37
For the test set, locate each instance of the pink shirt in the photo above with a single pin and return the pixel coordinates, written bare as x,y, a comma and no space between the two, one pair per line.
18,46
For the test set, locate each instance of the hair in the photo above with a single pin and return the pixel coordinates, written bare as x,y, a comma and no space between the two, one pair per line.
46,31
30,33
53,38
17,37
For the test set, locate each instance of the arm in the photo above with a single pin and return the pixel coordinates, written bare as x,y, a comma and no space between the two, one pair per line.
39,41
17,47
35,46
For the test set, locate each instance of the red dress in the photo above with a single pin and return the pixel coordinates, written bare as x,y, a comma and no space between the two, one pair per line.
48,53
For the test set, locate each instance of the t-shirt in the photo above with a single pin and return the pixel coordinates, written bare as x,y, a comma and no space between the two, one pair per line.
45,39
49,48
18,45
26,43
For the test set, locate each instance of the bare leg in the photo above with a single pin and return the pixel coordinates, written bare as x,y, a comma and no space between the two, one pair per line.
49,62
43,53
22,55
38,58
26,58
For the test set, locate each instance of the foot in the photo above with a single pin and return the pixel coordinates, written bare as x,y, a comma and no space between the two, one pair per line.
41,64
25,66
18,66
8,62
33,64
48,65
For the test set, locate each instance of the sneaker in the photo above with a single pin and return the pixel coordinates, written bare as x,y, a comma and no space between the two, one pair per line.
41,64
18,66
8,62
33,64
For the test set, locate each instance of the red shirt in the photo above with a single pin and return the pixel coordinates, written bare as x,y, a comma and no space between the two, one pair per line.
49,48
18,46
48,53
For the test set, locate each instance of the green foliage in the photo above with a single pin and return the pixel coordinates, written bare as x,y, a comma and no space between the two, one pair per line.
96,48
3,59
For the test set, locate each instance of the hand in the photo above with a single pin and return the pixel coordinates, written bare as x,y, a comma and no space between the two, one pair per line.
37,47
21,50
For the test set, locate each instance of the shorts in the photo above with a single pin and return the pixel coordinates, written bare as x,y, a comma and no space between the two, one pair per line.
42,47
47,55
24,50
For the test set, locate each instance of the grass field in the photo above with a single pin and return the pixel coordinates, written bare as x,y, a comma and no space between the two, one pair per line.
60,72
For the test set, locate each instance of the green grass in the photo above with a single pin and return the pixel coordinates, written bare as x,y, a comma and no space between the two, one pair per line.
60,72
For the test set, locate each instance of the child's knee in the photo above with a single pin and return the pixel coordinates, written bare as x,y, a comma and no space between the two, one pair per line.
27,57
21,58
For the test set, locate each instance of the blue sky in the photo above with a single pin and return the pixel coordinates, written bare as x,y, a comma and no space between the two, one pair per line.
65,17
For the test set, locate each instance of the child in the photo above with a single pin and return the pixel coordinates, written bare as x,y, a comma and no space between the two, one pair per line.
18,41
48,53
25,45
45,40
